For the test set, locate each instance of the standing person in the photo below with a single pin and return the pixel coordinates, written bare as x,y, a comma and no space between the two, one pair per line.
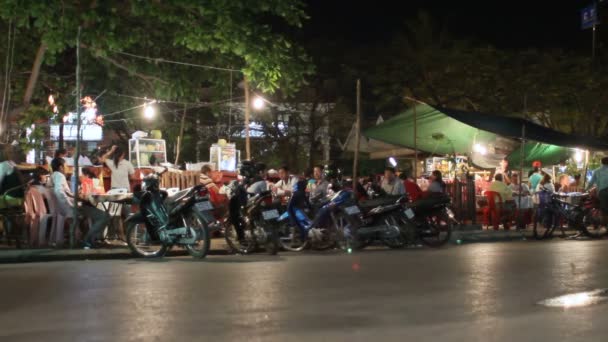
122,169
524,190
391,185
318,186
600,181
65,203
576,185
564,184
437,184
504,170
286,182
535,176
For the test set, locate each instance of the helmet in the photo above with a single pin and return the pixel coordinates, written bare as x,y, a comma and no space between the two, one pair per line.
259,167
247,169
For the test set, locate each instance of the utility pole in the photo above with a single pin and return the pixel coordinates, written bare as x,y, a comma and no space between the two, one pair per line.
247,112
357,138
75,173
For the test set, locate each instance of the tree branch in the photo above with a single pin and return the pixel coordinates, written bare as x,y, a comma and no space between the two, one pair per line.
147,78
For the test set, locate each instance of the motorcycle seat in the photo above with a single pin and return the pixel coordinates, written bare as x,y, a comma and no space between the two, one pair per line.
178,196
430,202
376,202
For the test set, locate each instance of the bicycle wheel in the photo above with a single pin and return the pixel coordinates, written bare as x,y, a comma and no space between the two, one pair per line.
544,223
592,224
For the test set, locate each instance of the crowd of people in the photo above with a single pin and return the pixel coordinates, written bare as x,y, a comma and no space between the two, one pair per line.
319,182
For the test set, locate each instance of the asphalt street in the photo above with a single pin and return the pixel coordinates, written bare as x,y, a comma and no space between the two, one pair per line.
476,292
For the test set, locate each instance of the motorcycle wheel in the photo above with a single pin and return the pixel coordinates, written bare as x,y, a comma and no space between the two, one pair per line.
246,246
142,244
201,247
396,242
346,238
290,238
439,228
272,239
592,224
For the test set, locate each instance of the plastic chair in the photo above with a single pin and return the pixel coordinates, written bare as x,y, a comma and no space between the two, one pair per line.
31,218
43,217
492,213
59,218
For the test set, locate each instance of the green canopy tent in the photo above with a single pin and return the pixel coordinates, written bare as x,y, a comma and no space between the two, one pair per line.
437,133
449,131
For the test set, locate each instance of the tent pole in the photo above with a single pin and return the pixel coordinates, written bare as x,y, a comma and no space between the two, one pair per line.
357,138
415,142
521,165
586,169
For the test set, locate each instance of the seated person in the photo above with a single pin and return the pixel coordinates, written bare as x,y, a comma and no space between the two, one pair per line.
501,188
391,185
65,203
437,185
576,185
10,177
411,188
545,184
285,184
515,187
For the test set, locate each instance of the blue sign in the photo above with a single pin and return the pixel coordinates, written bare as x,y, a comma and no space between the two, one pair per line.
589,17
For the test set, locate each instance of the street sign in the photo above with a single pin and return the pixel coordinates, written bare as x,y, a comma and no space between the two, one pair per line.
589,17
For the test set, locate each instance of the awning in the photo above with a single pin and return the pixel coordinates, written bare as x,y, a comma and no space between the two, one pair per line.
448,131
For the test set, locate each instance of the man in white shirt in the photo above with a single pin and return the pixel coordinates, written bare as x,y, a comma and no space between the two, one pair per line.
318,186
65,202
285,185
391,184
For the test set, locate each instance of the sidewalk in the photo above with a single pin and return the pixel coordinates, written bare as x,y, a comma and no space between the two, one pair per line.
13,255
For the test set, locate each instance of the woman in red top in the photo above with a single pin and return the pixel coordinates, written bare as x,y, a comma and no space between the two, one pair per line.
411,188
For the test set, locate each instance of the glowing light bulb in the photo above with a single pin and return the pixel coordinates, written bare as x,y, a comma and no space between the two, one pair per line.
258,103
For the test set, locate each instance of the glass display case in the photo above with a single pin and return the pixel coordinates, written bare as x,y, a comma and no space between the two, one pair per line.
145,152
224,157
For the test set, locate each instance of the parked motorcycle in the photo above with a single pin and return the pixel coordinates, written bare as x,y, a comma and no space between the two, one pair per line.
253,217
429,220
312,223
163,222
380,221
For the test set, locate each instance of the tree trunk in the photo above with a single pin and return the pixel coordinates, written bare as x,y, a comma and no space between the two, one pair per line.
312,132
31,82
180,138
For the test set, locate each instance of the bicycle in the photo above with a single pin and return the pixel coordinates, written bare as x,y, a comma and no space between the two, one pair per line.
580,213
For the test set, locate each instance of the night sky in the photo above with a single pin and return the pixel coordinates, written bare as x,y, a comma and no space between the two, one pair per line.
505,24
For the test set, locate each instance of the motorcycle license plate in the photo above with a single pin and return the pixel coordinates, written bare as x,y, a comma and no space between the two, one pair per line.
352,210
270,214
204,206
409,213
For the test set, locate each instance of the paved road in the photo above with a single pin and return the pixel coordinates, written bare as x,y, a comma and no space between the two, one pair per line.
477,292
